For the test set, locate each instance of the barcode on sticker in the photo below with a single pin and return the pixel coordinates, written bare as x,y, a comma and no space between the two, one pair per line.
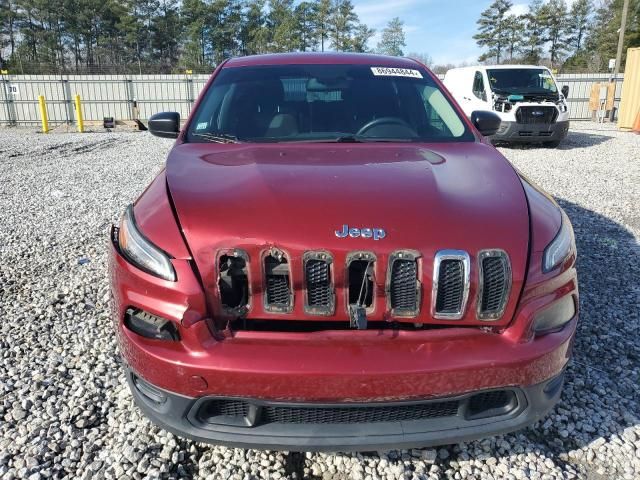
395,72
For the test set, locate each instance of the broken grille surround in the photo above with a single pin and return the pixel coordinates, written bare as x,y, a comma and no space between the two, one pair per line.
413,255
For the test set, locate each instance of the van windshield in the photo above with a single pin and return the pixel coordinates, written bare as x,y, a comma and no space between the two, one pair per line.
522,81
329,103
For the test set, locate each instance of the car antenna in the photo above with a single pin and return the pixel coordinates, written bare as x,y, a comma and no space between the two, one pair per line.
357,311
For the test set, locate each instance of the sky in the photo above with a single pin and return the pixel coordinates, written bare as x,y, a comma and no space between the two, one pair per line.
443,29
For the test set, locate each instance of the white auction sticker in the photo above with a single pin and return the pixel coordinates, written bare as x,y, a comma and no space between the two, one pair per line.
395,72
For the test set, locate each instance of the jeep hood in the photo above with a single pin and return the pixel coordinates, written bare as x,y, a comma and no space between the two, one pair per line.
295,196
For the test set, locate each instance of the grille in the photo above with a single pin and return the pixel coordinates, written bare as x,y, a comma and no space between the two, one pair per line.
247,413
278,294
318,276
536,115
485,401
403,286
277,290
323,415
227,408
495,278
450,287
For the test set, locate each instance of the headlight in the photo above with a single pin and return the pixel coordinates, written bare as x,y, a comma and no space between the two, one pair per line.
560,247
140,251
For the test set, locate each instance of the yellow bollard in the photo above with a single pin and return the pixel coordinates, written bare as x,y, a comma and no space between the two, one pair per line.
43,114
79,119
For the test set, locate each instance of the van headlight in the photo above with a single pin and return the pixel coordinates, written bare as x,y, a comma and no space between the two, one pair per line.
560,247
140,251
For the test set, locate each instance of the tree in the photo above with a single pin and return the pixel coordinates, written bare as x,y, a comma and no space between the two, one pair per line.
282,24
323,13
533,33
305,17
392,40
424,58
254,33
342,23
554,14
492,30
361,36
7,29
513,26
602,40
578,23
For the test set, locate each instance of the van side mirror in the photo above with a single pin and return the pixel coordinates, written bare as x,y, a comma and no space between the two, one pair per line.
165,124
487,123
565,91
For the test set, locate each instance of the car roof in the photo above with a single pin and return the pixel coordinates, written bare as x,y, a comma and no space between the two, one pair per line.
498,67
322,58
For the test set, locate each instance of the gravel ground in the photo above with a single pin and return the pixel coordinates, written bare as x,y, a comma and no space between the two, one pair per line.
65,409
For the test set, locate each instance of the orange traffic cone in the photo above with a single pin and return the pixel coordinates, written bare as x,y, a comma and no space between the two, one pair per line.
636,125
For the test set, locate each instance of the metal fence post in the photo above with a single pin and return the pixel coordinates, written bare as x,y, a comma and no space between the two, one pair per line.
5,95
131,98
66,92
189,80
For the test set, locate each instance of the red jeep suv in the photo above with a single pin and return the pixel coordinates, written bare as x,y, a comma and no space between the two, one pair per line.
334,258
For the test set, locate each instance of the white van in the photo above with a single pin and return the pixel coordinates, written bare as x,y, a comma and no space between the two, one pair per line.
526,98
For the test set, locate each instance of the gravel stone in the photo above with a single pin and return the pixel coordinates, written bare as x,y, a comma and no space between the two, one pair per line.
65,408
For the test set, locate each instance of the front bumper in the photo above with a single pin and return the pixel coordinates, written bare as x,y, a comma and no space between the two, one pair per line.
259,425
531,133
333,367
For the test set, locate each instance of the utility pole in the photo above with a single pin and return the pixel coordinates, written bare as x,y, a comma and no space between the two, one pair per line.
623,26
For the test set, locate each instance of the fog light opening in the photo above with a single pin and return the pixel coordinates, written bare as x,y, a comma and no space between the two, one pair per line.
150,392
151,326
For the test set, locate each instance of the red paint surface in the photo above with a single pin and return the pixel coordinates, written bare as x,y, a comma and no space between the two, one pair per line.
427,197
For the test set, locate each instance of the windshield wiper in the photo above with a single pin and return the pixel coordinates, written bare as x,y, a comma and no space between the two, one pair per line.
218,137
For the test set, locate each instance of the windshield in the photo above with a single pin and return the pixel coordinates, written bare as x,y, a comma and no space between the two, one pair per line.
522,81
343,103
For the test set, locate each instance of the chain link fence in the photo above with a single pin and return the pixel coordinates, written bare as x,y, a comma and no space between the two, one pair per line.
121,96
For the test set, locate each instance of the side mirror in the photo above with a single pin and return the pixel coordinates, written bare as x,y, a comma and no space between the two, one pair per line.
487,123
165,124
565,91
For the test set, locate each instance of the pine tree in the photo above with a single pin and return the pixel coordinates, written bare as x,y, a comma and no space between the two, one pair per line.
492,30
393,39
578,23
323,13
254,33
342,23
555,23
513,26
533,33
361,36
305,17
282,24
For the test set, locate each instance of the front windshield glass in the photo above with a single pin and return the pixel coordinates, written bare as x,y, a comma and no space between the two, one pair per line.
522,81
310,103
